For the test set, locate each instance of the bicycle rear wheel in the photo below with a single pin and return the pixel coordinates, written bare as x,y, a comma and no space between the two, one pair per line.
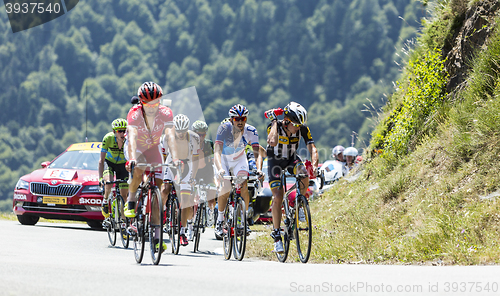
197,225
240,229
174,224
140,236
110,225
122,221
227,229
155,226
303,229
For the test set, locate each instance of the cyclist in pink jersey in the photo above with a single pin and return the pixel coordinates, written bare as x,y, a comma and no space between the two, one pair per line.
147,122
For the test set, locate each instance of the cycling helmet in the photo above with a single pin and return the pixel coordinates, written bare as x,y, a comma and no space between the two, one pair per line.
351,151
296,113
200,126
149,91
181,122
238,111
337,150
225,120
119,123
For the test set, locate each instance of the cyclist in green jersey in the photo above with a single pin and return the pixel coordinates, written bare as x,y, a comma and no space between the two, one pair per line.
112,161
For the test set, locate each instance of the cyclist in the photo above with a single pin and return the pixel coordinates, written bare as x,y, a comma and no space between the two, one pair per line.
147,121
338,155
230,158
188,145
283,140
112,160
206,164
350,155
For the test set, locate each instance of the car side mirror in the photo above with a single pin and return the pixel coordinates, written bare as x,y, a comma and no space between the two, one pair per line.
45,164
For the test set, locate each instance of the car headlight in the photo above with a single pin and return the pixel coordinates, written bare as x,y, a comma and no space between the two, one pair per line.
92,189
21,184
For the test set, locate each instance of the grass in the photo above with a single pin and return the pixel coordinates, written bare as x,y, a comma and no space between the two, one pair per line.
439,203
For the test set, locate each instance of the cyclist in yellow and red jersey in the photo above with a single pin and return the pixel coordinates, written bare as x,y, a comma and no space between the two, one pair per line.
147,122
283,138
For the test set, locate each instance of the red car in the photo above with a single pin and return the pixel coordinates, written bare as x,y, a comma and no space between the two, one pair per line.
66,188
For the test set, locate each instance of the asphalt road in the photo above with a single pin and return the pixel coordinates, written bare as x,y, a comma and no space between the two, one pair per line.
71,259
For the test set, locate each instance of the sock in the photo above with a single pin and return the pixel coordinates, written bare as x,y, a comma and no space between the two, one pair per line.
220,217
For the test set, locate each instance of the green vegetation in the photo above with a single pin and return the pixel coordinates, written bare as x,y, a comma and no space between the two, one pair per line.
435,202
330,55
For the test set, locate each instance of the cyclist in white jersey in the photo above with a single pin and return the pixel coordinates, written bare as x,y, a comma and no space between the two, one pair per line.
188,144
230,157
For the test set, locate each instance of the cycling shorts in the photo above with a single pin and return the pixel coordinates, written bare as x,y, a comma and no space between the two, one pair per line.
234,166
207,174
112,169
186,175
276,166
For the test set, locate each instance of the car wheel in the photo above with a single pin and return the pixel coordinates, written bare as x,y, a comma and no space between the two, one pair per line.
95,224
27,220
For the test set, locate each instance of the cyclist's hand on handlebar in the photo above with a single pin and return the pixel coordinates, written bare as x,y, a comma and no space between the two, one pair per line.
221,173
261,175
129,164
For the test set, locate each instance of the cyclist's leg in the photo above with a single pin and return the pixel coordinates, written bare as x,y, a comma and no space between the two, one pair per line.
122,174
106,177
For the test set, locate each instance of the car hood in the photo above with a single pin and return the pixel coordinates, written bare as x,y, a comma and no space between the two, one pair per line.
62,175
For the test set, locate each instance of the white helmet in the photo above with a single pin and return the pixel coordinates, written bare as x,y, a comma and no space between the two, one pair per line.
351,151
296,113
337,150
181,122
238,111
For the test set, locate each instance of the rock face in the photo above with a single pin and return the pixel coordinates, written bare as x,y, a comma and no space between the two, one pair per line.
471,36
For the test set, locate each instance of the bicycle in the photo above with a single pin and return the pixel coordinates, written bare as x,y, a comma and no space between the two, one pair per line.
235,221
116,222
172,219
149,203
296,223
201,219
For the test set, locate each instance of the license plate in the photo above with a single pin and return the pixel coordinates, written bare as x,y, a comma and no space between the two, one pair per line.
54,200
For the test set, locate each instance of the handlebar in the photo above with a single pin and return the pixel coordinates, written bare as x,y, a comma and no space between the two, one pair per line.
250,178
119,181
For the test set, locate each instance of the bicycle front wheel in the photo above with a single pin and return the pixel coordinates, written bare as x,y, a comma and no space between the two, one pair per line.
111,225
155,226
285,231
303,229
197,225
122,221
227,229
174,224
240,229
140,236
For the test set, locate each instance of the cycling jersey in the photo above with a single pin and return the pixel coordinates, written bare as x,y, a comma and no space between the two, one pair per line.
110,147
230,149
193,146
287,146
146,139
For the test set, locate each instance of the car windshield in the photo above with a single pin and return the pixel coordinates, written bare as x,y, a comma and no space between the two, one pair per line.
78,160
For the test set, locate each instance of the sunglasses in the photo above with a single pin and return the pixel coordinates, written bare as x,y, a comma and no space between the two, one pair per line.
121,131
295,124
243,118
151,104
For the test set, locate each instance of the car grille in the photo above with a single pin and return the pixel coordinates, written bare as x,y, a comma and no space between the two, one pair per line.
59,190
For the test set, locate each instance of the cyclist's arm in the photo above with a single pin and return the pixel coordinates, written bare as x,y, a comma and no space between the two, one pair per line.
314,155
132,141
101,164
170,136
272,134
217,156
257,152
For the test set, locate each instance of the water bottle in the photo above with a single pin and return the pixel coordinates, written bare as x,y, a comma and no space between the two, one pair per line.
276,112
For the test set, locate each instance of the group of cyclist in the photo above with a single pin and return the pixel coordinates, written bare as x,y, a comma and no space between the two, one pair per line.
151,134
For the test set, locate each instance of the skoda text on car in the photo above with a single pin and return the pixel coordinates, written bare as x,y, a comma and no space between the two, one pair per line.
67,188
